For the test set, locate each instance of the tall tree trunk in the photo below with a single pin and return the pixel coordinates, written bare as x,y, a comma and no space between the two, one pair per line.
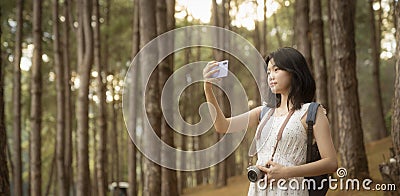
60,103
171,15
183,175
230,161
318,52
36,107
115,149
50,180
396,99
67,94
102,119
379,27
302,29
256,36
379,119
92,124
199,140
107,11
352,150
152,176
169,176
17,172
83,101
332,110
390,171
264,50
264,47
80,38
216,20
133,190
4,179
258,75
220,168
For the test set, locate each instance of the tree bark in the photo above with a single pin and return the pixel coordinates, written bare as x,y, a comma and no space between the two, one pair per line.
216,22
50,180
95,185
230,160
379,119
199,140
152,175
115,148
390,170
80,38
256,36
171,14
60,103
36,107
17,172
85,64
133,190
302,30
352,150
67,99
264,47
396,100
258,75
332,110
169,177
184,175
102,110
4,179
107,11
260,39
220,170
318,52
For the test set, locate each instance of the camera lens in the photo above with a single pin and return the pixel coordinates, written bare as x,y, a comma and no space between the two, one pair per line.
252,176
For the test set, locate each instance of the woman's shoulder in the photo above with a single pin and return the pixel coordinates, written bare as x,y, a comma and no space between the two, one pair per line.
305,106
303,109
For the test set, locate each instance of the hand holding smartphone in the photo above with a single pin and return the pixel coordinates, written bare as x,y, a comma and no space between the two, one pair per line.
223,69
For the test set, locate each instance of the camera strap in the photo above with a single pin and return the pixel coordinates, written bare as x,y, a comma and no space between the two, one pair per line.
279,137
263,122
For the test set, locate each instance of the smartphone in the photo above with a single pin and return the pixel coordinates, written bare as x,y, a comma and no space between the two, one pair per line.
223,69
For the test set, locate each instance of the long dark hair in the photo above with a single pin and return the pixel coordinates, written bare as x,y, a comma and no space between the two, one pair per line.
302,85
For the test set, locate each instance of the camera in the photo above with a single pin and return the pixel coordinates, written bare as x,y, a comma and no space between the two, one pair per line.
254,174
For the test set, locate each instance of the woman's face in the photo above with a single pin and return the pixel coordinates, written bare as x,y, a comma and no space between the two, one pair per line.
278,79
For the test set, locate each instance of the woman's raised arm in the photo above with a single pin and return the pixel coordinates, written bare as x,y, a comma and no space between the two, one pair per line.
223,124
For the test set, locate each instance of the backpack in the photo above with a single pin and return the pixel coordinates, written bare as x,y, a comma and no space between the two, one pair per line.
312,150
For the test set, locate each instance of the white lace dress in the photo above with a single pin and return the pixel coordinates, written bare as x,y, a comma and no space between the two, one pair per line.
291,151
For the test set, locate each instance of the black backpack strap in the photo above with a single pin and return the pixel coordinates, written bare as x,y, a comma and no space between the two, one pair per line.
264,110
311,115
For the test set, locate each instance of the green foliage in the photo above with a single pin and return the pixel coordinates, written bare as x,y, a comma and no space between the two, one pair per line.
364,70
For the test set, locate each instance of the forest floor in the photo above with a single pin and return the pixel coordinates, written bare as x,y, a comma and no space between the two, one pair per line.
238,185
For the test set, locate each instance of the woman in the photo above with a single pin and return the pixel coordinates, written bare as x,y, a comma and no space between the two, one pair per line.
293,88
